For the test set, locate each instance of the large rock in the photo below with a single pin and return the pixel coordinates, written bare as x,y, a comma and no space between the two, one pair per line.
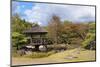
42,48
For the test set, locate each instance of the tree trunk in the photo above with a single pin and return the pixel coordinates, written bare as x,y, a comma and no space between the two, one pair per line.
17,47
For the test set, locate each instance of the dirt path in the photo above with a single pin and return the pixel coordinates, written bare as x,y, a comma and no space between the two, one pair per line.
25,61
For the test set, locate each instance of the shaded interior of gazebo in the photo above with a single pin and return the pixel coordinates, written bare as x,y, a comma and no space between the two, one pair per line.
36,36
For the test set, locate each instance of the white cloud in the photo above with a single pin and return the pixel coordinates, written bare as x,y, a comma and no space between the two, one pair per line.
15,7
42,13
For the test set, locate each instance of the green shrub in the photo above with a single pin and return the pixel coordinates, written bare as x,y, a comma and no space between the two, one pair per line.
16,55
18,39
57,47
39,54
89,38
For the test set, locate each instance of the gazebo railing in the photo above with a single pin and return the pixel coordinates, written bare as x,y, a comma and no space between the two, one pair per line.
41,41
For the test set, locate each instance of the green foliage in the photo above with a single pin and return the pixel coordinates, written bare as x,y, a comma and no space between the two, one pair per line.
67,22
18,39
92,27
90,37
18,25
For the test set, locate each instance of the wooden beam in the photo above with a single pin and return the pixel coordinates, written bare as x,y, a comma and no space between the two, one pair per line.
31,38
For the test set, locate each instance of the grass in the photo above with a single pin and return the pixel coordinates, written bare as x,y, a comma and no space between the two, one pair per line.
39,54
73,55
34,54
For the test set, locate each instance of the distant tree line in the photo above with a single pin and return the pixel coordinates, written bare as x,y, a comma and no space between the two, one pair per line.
60,32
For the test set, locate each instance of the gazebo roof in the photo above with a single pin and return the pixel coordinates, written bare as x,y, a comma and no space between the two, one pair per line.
35,30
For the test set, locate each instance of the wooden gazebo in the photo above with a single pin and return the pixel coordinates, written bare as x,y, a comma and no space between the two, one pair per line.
36,36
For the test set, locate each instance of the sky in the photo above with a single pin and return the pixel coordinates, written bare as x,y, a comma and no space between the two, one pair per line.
41,13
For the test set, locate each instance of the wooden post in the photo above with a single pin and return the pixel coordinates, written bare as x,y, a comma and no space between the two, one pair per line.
41,40
31,39
37,47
